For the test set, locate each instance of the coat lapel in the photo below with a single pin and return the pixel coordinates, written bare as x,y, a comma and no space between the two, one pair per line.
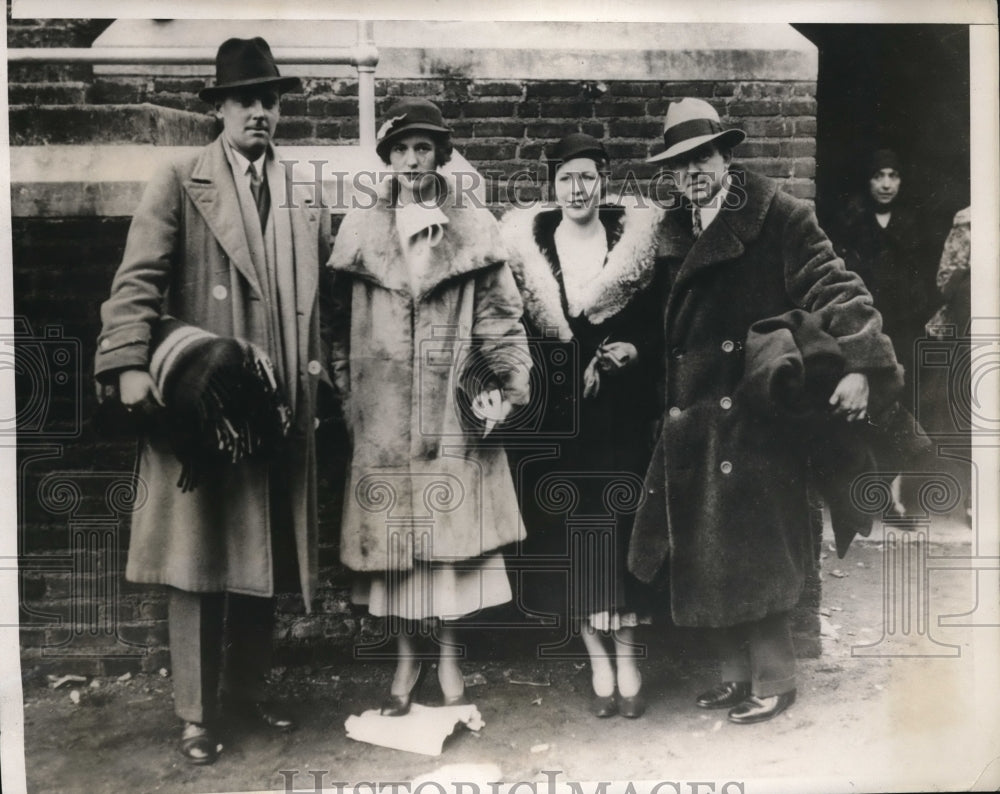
533,273
630,267
296,230
725,239
213,193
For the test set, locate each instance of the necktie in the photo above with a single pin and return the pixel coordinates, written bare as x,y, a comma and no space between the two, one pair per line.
260,195
696,229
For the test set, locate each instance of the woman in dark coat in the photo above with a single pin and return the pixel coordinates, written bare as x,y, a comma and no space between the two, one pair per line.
596,402
880,237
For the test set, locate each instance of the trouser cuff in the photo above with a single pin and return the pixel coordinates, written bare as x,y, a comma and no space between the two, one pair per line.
766,689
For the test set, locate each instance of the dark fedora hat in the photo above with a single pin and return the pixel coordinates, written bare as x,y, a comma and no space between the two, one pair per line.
408,115
245,63
691,123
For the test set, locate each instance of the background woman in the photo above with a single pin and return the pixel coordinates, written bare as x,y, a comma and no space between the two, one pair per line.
425,298
599,417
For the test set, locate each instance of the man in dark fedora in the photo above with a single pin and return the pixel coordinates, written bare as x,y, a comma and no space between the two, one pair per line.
215,245
724,528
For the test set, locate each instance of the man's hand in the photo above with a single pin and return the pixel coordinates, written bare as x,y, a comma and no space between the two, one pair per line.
138,391
850,398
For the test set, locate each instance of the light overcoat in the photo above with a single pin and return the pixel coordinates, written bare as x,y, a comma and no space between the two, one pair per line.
188,256
421,485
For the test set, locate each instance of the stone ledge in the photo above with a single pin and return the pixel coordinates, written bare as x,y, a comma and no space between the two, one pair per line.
37,125
98,180
503,50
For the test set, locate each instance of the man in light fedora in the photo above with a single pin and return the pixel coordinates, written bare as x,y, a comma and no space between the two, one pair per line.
215,245
724,528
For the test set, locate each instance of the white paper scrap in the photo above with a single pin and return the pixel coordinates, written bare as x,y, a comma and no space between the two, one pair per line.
423,730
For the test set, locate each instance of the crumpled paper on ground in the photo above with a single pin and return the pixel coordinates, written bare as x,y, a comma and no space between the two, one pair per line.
422,731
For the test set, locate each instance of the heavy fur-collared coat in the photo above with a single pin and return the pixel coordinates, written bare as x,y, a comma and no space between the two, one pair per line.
188,256
421,485
726,508
600,443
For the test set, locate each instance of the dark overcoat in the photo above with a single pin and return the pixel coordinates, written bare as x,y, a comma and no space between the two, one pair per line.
726,508
187,255
896,264
420,484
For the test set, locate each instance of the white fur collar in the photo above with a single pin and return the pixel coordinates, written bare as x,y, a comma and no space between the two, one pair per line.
533,274
629,269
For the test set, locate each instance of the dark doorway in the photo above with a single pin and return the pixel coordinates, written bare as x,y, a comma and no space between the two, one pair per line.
904,87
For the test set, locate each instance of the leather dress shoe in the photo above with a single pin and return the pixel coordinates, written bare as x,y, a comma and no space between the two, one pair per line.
261,711
632,707
604,706
758,709
724,695
199,744
399,705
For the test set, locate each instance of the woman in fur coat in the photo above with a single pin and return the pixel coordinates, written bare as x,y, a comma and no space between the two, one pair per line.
596,398
424,297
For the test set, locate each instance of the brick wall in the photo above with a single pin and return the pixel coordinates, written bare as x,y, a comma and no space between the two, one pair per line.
73,522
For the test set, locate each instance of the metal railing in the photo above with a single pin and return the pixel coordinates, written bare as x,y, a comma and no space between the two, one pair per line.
363,56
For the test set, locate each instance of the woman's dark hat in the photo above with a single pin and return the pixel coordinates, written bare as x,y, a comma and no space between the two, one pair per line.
883,158
409,115
245,63
578,144
691,123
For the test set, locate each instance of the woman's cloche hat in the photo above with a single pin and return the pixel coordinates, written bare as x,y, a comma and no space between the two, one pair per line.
245,63
578,144
408,115
691,123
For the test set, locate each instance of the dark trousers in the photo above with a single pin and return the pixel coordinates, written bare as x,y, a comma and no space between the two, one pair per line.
217,638
760,652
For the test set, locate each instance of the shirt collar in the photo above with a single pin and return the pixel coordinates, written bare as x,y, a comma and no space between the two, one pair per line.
240,163
711,212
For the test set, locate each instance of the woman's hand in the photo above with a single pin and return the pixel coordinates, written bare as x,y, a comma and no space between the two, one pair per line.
491,407
613,356
850,398
138,391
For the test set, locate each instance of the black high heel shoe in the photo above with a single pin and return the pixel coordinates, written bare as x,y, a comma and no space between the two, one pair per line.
399,705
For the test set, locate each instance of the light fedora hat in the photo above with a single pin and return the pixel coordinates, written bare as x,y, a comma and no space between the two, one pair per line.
691,123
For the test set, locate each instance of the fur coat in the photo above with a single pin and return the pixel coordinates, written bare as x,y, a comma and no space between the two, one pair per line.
421,485
725,522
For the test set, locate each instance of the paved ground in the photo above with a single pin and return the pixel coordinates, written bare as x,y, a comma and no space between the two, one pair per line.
897,715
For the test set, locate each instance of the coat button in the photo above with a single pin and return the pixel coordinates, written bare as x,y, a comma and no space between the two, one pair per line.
219,292
725,467
726,403
677,353
675,411
728,346
314,368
